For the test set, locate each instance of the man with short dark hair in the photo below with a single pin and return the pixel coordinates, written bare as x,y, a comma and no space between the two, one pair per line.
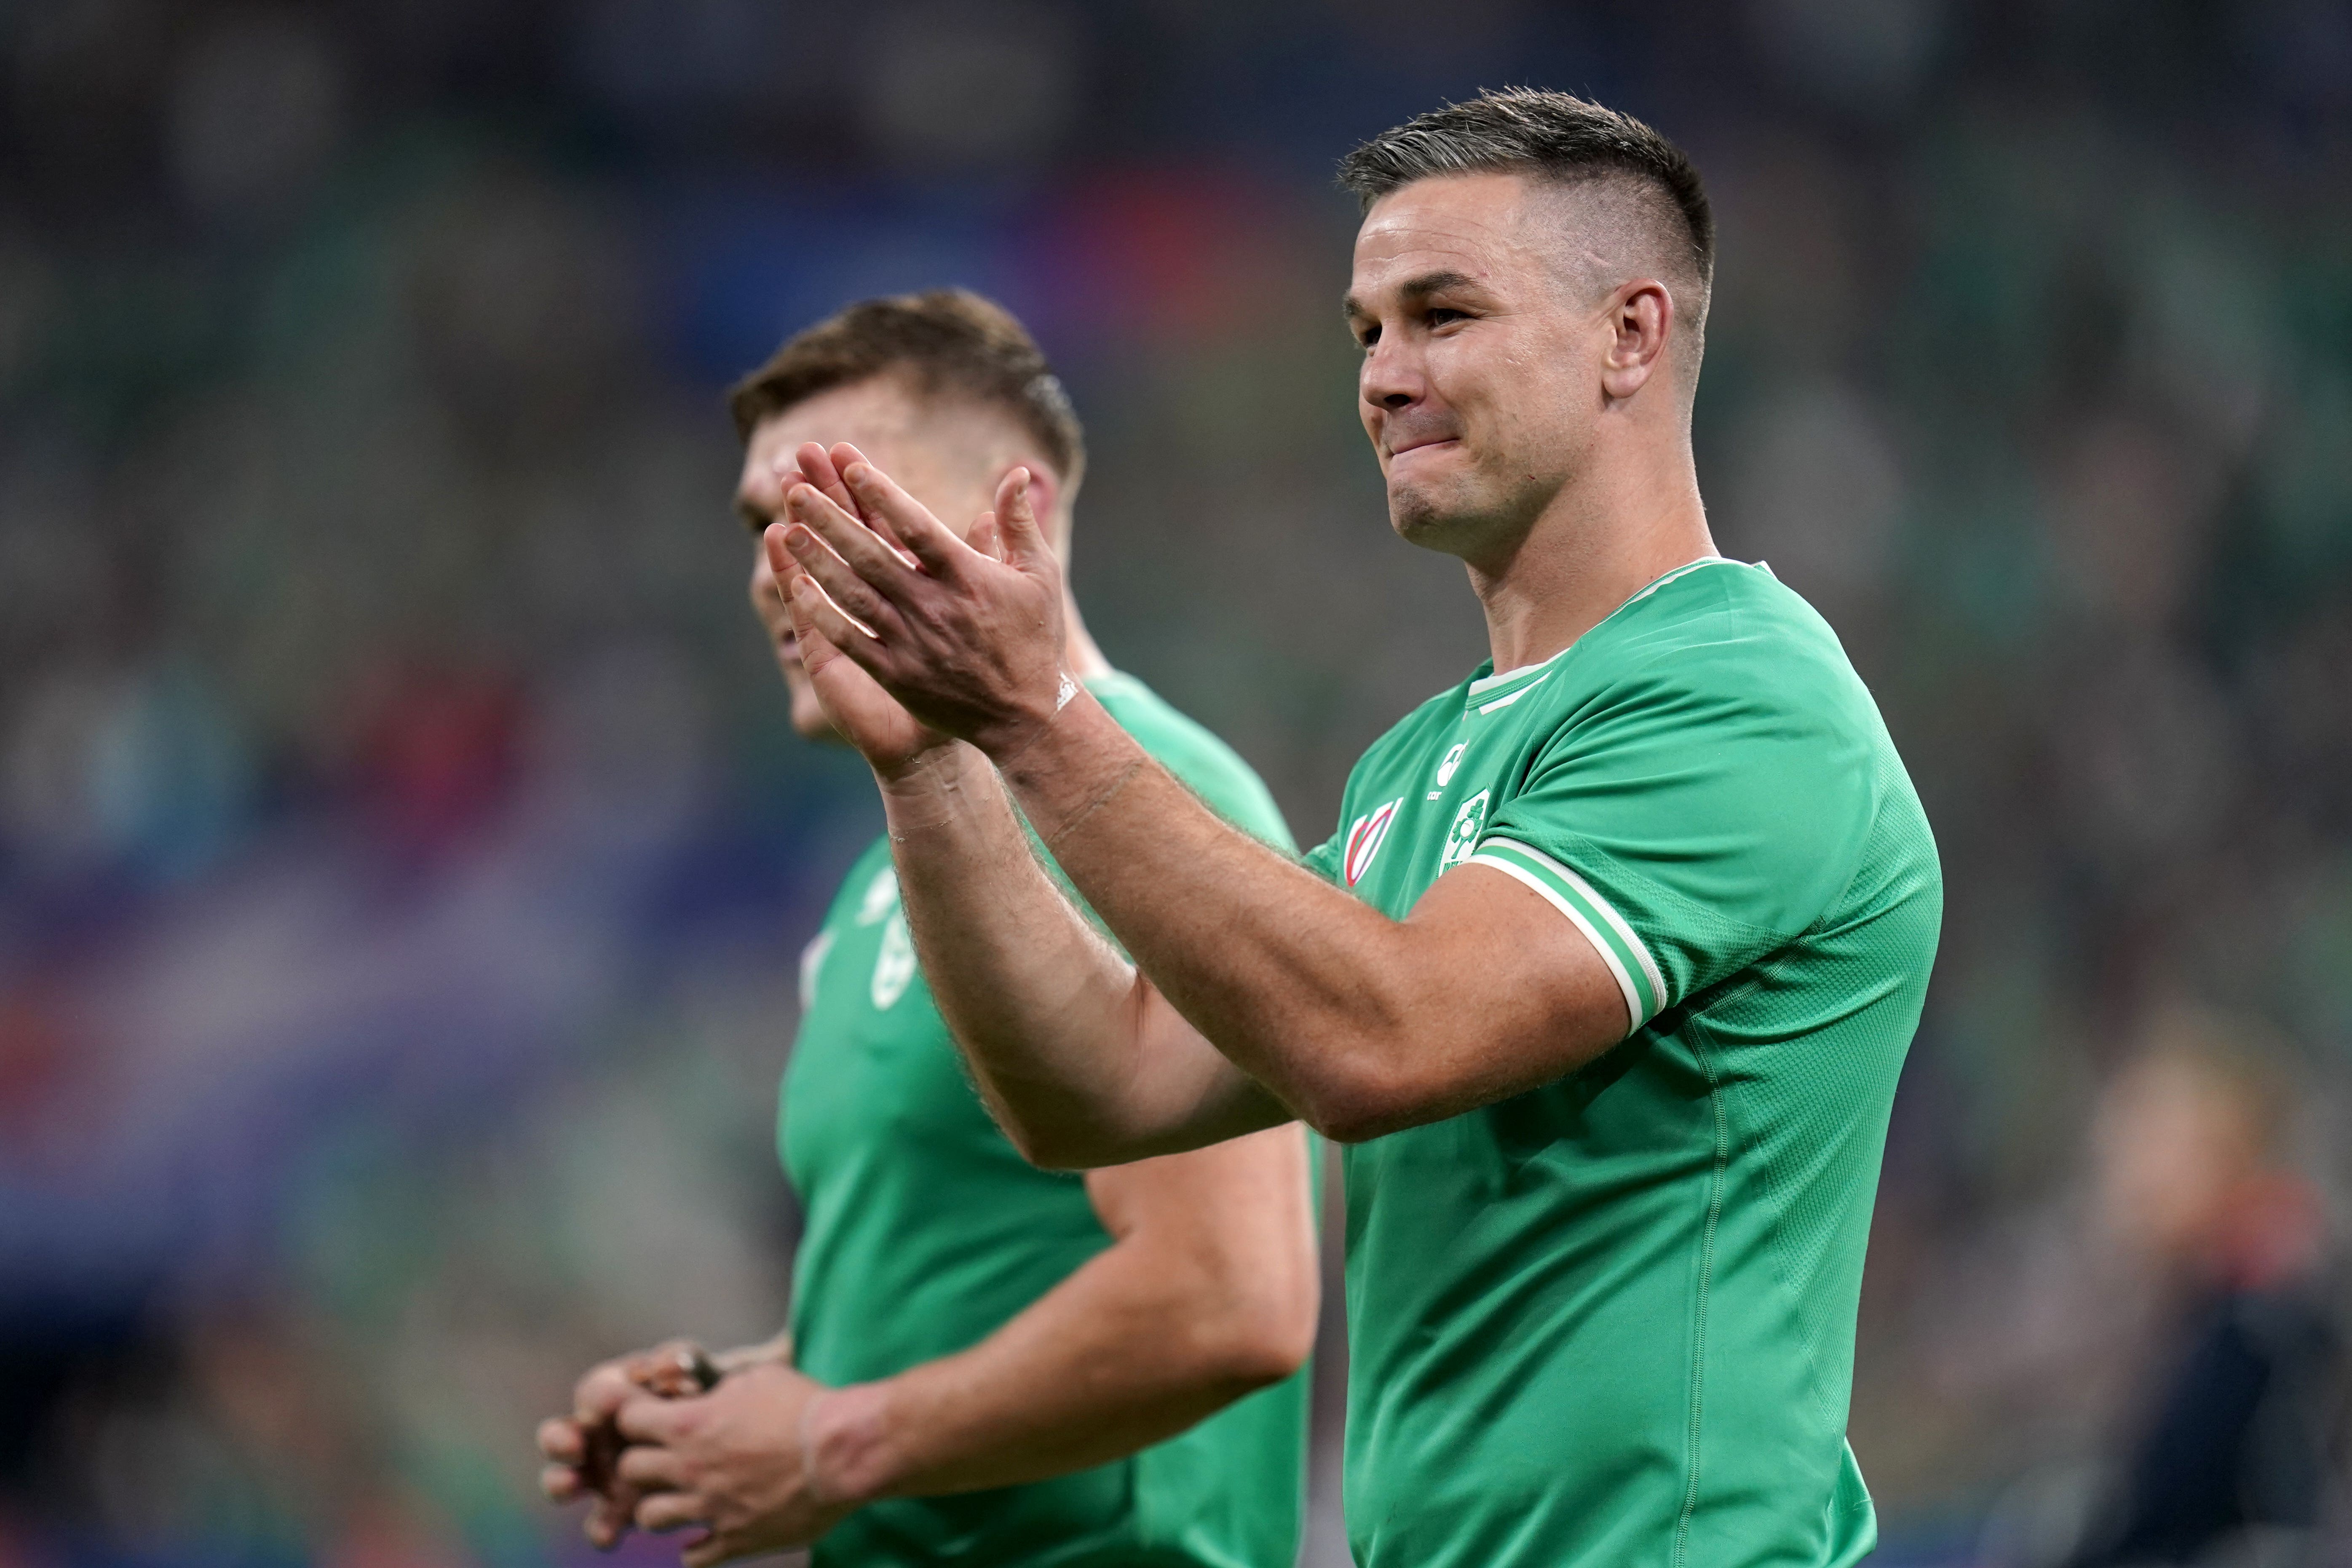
1606,975
988,1364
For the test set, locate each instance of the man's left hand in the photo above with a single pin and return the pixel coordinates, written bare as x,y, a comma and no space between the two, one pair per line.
968,639
732,1461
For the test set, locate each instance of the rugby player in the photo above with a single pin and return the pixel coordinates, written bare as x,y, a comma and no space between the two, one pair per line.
987,1362
1608,973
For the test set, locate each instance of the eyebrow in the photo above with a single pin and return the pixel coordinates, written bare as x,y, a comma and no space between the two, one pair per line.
1419,287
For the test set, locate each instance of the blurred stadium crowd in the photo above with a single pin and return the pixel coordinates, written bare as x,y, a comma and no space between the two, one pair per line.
403,851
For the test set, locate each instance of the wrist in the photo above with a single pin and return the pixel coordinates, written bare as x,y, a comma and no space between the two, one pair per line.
1007,742
930,777
848,1445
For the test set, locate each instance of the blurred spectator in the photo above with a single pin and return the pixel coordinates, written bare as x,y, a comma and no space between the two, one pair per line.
2232,1458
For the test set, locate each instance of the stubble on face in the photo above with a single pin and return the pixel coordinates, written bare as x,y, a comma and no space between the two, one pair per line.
1479,393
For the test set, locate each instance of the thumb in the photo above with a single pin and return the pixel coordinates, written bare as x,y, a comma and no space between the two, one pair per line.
986,537
1022,542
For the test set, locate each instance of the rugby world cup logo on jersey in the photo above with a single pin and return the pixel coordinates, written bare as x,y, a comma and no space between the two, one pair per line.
1365,837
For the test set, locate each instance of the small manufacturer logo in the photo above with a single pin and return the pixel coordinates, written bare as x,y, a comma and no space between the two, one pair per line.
1463,838
1365,836
1453,761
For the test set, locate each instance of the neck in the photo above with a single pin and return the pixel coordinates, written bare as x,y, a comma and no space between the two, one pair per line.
1080,656
1600,541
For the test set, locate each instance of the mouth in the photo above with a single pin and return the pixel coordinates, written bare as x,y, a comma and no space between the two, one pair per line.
1423,444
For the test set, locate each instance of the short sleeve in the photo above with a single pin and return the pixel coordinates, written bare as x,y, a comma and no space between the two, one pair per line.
1324,859
1691,824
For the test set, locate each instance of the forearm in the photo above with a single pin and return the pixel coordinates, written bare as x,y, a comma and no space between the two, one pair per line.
1059,1026
1108,1362
1308,991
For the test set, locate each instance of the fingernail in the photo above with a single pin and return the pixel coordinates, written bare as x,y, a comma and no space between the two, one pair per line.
856,474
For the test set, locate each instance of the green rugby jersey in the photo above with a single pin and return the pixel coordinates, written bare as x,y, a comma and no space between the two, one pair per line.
926,1231
1610,1321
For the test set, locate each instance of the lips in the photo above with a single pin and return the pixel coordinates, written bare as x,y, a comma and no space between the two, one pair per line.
1419,442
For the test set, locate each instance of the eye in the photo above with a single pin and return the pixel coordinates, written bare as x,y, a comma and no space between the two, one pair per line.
1444,316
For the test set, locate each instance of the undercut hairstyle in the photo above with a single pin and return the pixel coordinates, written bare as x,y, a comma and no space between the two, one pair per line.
949,344
1552,136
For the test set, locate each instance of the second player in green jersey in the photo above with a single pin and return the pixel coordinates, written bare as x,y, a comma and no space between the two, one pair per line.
925,1232
987,1362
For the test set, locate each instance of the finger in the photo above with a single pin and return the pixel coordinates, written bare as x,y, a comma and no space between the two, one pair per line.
795,573
817,466
610,1518
666,1512
563,1440
825,633
648,1418
817,647
561,1483
851,594
931,542
651,1469
602,1391
864,552
706,1550
1024,541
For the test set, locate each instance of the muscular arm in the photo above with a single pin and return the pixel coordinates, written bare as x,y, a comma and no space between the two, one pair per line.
1355,1022
1207,1292
1078,1055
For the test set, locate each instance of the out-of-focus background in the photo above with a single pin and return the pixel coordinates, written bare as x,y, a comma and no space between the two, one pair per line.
403,851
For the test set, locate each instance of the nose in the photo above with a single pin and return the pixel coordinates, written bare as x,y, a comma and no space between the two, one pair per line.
1388,381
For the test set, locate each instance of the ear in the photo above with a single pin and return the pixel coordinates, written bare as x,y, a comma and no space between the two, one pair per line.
1638,318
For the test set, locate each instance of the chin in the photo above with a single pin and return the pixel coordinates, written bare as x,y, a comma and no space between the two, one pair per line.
1420,517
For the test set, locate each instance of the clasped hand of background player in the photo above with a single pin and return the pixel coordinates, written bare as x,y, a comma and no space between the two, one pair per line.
953,639
669,1438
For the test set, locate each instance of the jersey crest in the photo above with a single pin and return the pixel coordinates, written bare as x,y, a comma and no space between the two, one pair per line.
1463,837
1365,837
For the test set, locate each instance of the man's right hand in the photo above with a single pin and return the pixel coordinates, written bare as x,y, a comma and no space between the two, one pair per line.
582,1447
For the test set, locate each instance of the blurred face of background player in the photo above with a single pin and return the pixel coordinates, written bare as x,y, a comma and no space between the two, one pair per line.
948,452
1493,310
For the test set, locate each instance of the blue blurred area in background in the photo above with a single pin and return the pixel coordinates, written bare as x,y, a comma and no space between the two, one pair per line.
403,851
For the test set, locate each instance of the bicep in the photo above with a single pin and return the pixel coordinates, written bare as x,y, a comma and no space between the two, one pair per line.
1511,994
